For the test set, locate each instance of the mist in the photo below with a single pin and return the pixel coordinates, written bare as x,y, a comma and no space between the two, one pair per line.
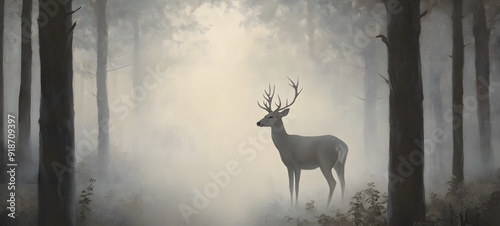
184,145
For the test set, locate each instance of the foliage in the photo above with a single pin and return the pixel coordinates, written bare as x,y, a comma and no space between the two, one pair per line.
338,219
464,204
368,207
310,208
86,199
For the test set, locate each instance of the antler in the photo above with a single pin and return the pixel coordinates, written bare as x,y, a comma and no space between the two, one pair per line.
295,87
269,98
270,94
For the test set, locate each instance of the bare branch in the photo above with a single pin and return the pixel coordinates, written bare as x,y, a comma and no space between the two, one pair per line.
118,68
72,28
423,14
360,98
386,81
384,39
429,9
74,11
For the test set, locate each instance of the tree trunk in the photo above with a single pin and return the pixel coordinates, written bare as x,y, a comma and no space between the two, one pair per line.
458,91
24,148
102,93
406,155
56,178
482,45
370,111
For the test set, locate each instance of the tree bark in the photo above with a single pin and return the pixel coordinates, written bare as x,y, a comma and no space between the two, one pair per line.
482,46
56,178
26,174
406,155
458,91
102,93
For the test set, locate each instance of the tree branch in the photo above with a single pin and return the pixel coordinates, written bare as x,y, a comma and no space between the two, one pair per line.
74,11
384,39
423,14
72,28
429,9
118,68
360,98
387,81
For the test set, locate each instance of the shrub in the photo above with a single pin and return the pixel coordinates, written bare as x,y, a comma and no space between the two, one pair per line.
368,207
86,199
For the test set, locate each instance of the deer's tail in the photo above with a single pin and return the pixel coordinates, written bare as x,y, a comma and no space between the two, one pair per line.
343,154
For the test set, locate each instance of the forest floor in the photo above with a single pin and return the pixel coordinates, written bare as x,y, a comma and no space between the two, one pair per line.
471,204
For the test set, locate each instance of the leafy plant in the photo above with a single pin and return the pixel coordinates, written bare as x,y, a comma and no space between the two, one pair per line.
86,199
338,219
368,207
310,208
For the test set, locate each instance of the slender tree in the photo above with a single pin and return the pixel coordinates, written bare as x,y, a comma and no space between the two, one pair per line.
24,106
101,80
406,158
56,178
458,91
482,60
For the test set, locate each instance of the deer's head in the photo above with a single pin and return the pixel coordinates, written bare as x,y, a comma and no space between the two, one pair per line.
274,117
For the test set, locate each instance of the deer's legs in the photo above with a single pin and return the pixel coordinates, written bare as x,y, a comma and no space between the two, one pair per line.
290,182
339,168
327,172
297,180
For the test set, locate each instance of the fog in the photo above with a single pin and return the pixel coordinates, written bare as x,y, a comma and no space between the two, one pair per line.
196,116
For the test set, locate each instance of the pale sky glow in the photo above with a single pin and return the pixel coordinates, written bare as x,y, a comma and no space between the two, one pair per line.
215,97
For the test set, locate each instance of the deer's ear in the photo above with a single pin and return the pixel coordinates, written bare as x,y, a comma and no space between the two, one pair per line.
284,112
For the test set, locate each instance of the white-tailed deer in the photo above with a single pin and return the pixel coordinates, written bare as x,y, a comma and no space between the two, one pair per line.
301,152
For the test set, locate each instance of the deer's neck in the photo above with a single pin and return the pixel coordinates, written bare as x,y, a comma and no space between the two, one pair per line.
281,139
279,133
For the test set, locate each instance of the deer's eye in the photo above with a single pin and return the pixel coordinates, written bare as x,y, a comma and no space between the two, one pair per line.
271,117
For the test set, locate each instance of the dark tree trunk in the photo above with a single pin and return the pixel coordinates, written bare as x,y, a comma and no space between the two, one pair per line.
26,174
482,45
310,29
102,93
458,91
56,178
370,111
406,155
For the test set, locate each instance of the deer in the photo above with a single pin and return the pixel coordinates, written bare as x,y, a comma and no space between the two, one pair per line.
303,152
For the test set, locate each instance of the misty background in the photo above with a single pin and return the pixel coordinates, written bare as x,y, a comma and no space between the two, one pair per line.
206,64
